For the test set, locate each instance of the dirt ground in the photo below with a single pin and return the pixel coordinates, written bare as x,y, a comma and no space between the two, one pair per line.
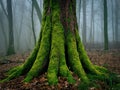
109,59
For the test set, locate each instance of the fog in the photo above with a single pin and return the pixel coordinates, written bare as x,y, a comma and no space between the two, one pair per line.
90,18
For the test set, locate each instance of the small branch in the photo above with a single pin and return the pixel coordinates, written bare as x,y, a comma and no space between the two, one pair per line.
35,4
3,8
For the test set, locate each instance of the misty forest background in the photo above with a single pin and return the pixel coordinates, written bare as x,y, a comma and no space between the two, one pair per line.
20,23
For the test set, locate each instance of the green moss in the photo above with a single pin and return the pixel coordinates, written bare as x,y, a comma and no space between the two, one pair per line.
84,58
52,78
53,67
14,74
73,56
13,70
43,53
101,69
57,56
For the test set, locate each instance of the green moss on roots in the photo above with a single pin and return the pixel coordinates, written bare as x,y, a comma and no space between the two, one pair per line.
59,42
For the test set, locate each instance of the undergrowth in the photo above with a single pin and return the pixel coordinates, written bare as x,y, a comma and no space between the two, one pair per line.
102,83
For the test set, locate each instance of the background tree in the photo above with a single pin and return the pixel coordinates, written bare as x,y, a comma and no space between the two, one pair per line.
116,21
105,26
22,25
35,4
32,20
84,35
9,16
11,35
3,29
92,24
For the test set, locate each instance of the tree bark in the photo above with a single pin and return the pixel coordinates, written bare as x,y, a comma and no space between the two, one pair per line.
59,47
84,23
105,26
32,19
116,22
35,4
92,25
11,35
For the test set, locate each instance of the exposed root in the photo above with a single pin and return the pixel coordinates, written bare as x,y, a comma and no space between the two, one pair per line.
73,57
43,53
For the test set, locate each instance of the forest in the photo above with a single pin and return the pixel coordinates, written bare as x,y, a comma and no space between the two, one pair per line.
59,44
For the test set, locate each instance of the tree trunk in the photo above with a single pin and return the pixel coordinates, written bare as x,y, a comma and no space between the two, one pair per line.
32,20
116,22
11,35
59,47
84,23
105,26
112,9
91,37
35,4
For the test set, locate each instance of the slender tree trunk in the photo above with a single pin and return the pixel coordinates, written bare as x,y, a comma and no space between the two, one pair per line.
32,18
112,20
3,30
91,27
79,12
37,8
116,22
11,33
84,23
105,26
59,47
20,26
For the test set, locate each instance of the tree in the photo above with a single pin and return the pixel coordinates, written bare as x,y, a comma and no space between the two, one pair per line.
9,16
105,26
35,4
116,21
59,48
3,29
112,8
11,35
92,24
32,19
84,23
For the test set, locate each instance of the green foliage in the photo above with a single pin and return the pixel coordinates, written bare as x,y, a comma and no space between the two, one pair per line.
113,81
83,86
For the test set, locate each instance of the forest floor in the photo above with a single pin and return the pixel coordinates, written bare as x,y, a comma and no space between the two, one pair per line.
109,59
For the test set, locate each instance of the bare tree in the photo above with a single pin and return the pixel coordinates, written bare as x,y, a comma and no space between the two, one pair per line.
116,21
37,8
32,19
9,16
92,23
105,26
84,23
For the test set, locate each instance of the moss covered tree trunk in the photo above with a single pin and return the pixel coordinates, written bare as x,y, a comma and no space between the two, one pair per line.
59,48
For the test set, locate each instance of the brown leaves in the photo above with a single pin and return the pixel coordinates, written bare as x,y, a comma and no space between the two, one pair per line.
111,58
